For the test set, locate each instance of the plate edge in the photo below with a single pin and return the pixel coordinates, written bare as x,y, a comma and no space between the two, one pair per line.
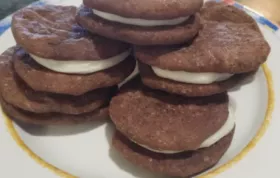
6,23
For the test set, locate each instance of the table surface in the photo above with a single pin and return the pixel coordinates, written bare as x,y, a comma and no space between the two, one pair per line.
269,8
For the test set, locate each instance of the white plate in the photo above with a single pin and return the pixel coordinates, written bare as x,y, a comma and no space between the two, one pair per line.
84,151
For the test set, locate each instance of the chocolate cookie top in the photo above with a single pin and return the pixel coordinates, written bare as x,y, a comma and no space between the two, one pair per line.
147,9
17,93
73,84
185,164
51,32
226,45
162,121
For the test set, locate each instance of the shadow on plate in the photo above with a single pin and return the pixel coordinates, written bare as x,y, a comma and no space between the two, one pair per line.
60,130
247,80
122,163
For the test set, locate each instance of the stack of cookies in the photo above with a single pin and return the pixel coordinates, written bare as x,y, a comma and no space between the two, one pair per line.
59,73
176,118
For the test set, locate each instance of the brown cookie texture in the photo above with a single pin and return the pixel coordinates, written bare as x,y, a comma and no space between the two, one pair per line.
5,60
18,94
73,84
150,79
52,118
184,164
139,35
162,121
51,32
221,47
147,9
222,12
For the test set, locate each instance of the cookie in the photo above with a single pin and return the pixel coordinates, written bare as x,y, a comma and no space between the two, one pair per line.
146,9
222,12
149,78
51,32
15,92
5,60
74,84
219,48
229,47
147,32
167,123
185,164
52,118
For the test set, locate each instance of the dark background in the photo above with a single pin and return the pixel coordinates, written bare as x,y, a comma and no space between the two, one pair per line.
9,6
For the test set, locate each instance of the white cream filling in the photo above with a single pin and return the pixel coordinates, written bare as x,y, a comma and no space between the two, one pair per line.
222,132
189,77
80,67
138,22
131,76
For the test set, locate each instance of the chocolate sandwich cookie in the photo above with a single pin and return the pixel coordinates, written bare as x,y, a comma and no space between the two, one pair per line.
142,22
15,92
52,118
215,61
64,55
186,164
167,123
74,84
17,100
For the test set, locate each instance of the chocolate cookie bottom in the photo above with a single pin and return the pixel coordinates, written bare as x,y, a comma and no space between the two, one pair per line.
150,79
52,118
182,165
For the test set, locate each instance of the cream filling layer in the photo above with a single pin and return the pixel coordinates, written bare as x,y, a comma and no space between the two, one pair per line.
131,76
189,77
80,67
138,22
222,132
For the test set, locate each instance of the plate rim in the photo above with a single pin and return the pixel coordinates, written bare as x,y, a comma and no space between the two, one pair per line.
5,25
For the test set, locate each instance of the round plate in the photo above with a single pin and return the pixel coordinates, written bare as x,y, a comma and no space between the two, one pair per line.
84,150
